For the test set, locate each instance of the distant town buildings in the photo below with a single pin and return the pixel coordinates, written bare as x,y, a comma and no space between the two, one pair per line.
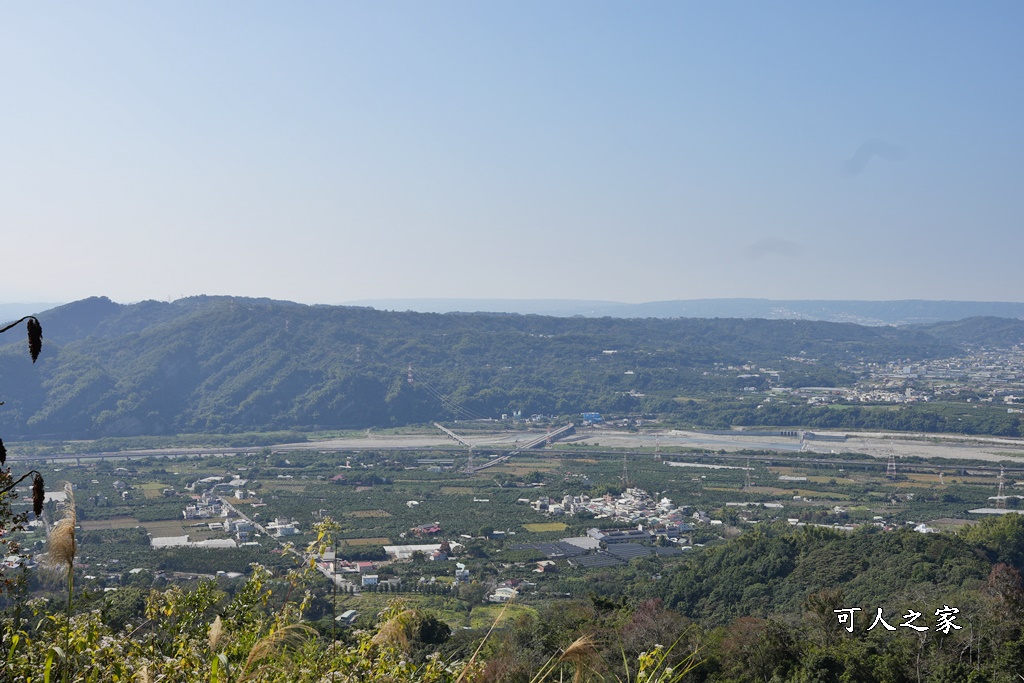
633,507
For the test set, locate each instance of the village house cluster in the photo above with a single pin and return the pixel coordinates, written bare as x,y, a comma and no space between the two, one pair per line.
995,376
635,507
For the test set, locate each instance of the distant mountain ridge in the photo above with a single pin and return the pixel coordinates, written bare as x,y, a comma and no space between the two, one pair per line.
899,312
978,331
223,364
11,312
894,312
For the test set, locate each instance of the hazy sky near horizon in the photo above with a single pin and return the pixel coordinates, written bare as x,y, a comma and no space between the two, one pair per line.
332,151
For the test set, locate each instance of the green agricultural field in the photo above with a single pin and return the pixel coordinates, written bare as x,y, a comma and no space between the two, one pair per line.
167,527
153,489
484,616
368,605
545,527
277,486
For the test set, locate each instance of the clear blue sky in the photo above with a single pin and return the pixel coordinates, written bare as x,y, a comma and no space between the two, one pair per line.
326,152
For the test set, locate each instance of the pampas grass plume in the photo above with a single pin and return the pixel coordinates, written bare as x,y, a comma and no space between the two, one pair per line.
582,654
277,642
581,651
61,554
395,631
216,631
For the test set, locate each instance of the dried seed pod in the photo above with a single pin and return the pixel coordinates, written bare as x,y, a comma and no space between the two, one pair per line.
38,495
3,452
35,338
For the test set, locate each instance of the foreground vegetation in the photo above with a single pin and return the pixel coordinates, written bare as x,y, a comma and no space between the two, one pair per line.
280,627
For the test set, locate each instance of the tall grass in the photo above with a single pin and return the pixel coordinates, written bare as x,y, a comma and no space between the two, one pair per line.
60,556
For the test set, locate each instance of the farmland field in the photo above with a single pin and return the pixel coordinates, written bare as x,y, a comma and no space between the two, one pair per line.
543,527
484,616
296,488
365,541
167,527
112,523
153,489
368,513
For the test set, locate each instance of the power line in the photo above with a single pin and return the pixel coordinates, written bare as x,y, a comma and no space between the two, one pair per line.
454,406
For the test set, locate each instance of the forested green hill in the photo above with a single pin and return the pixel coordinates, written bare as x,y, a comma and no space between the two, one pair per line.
208,364
979,331
769,572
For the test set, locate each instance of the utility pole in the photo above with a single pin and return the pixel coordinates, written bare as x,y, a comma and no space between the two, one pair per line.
334,591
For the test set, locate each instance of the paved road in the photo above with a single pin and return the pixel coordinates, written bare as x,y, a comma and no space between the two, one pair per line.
303,557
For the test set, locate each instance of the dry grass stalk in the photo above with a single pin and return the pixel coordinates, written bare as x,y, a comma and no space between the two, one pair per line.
581,650
215,633
62,545
476,653
276,643
582,655
395,631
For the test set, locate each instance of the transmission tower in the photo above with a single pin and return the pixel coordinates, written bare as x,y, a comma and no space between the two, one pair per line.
1001,496
890,471
625,473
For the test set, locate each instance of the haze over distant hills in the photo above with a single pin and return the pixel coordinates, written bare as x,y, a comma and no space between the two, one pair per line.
899,312
10,312
905,312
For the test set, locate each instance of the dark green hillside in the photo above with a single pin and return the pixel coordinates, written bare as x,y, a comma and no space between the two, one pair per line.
948,418
208,364
774,571
983,331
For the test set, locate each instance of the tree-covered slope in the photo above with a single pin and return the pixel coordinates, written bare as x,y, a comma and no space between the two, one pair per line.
977,331
775,571
226,364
